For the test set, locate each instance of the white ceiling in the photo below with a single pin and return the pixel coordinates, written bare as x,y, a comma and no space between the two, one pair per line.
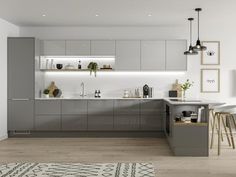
111,12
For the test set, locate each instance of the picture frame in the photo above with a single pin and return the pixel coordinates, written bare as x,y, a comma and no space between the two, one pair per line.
211,56
210,80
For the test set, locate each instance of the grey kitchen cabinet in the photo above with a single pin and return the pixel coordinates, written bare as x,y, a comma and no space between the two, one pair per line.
78,47
73,107
74,122
127,115
103,47
100,122
47,107
175,58
52,47
151,113
100,107
153,55
100,115
20,115
48,122
21,57
74,114
127,55
20,81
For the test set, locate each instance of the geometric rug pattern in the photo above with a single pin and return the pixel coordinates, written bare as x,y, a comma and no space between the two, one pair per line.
77,170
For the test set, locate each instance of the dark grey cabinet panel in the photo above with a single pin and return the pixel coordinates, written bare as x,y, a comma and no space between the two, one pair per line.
47,107
126,122
100,122
48,122
100,107
21,56
151,107
151,122
20,115
126,107
74,107
74,122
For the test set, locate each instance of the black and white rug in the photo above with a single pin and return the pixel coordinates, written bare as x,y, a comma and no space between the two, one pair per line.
77,170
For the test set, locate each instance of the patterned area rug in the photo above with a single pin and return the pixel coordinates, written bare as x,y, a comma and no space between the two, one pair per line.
77,170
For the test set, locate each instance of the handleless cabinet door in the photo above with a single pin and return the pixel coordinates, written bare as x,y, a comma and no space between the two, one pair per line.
72,107
21,57
53,47
47,107
103,47
127,56
175,58
78,47
48,122
20,115
152,55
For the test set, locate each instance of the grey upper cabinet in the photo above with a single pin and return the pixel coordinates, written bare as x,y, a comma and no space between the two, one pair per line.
103,47
78,47
153,55
21,57
20,115
175,58
127,55
52,47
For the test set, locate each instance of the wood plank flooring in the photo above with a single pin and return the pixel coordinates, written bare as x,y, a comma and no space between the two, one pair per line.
155,150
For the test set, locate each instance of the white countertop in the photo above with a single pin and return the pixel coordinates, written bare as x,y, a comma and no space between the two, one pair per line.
173,101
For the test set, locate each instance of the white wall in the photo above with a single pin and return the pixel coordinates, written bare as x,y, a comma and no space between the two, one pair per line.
6,30
215,26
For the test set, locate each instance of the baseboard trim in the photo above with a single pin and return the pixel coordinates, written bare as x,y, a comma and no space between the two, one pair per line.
3,137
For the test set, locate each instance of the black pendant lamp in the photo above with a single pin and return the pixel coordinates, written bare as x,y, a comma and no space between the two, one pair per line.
190,50
199,46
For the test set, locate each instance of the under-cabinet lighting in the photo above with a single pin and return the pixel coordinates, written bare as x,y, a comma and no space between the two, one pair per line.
117,73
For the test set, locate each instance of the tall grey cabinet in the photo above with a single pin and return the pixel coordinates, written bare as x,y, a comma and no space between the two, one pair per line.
21,58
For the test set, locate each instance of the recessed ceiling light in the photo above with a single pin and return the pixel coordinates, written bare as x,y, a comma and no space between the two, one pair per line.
44,15
96,15
149,15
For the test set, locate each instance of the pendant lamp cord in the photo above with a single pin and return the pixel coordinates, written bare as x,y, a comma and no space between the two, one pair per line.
198,25
191,32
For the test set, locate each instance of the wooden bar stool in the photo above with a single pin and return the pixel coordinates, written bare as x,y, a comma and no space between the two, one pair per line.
223,114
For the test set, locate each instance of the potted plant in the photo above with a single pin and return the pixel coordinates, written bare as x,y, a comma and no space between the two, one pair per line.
93,67
46,93
185,86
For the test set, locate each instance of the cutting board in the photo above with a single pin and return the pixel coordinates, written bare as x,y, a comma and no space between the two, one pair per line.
51,88
177,86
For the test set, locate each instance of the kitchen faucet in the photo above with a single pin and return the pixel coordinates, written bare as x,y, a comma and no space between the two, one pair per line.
82,86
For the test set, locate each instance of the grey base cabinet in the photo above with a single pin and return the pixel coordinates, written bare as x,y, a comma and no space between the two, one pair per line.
100,122
48,122
126,122
20,115
74,122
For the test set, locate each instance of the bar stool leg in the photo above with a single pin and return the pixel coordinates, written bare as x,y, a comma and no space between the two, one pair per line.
230,130
219,134
226,132
213,131
234,121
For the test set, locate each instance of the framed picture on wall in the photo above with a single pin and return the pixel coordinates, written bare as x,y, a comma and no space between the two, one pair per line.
210,80
211,56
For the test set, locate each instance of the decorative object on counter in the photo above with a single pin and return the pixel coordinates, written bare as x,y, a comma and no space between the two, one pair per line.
79,65
199,46
212,55
69,67
187,113
137,93
178,118
126,94
57,93
93,67
59,66
210,80
52,64
187,85
147,91
173,93
176,86
97,94
190,50
52,87
200,114
47,64
46,93
194,117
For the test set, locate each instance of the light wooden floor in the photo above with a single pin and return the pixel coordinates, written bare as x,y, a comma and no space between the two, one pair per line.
154,150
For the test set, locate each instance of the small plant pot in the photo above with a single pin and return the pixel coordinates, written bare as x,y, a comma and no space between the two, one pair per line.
46,95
